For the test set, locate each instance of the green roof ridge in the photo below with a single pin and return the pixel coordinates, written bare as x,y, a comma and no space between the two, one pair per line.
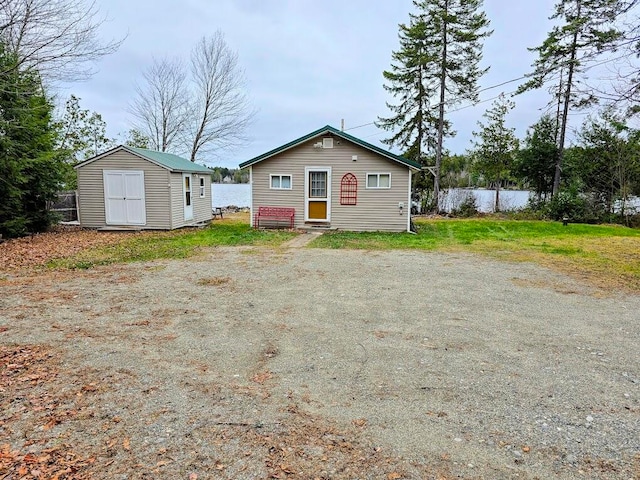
169,160
346,136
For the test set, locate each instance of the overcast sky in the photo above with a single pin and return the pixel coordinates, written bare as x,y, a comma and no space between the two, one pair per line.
307,63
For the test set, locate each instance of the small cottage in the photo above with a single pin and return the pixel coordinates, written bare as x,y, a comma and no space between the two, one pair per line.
135,188
330,179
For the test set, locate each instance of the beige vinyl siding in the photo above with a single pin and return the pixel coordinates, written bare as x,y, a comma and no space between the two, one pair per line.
177,201
91,190
201,206
376,209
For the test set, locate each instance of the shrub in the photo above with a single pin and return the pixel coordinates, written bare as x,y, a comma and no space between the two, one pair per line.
569,204
467,207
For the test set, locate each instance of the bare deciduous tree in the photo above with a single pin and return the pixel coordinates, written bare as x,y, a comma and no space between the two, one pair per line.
58,38
218,105
160,108
194,116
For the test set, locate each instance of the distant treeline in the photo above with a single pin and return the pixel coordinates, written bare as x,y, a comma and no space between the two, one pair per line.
229,175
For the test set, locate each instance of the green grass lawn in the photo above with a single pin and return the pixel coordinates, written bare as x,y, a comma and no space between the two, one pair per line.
604,254
439,234
176,244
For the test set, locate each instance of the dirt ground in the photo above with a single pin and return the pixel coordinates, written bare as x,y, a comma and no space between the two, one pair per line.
305,363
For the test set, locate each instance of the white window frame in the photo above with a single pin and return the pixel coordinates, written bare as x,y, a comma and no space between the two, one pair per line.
202,187
280,175
327,142
377,174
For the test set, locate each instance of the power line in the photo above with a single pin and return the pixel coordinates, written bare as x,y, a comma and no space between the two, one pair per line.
359,126
491,87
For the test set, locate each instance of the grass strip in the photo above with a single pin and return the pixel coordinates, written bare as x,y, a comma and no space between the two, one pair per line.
605,255
176,244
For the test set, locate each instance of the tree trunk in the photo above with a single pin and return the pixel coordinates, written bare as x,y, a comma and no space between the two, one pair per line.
565,114
496,207
443,84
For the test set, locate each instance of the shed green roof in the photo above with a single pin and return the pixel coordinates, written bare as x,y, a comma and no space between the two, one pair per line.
338,133
171,162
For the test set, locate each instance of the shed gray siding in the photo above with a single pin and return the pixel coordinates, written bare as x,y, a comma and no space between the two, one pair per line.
91,205
201,206
164,204
376,209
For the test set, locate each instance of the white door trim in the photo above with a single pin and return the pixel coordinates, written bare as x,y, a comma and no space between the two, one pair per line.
308,170
407,207
187,193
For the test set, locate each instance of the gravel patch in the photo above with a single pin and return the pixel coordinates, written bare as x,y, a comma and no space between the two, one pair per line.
308,363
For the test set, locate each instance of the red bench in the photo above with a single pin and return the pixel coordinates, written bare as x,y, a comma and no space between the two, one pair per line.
276,214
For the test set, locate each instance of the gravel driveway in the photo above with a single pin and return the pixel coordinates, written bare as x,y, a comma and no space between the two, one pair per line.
307,363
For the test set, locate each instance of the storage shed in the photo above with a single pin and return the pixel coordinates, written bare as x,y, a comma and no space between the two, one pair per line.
135,188
330,179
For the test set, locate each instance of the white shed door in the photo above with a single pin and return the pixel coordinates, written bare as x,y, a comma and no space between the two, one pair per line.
187,194
124,197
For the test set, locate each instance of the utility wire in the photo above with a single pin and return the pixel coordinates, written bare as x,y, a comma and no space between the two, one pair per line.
491,87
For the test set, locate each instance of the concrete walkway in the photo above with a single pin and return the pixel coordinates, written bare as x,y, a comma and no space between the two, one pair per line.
302,240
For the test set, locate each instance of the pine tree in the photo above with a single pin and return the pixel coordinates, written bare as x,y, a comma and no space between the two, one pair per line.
456,30
496,146
438,64
30,170
584,32
412,120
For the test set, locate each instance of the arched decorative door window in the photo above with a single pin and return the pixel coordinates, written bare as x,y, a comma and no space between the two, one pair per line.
349,189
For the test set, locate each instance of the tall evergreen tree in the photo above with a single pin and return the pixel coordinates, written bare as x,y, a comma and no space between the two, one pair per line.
455,32
436,66
584,31
412,119
496,145
30,170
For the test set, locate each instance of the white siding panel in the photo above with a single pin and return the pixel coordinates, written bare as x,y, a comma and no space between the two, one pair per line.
375,209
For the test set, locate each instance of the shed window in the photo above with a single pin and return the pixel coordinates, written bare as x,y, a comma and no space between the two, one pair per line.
202,187
281,182
327,142
349,189
378,180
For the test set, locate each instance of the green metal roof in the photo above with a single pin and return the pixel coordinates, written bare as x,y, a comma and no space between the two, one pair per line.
169,160
346,136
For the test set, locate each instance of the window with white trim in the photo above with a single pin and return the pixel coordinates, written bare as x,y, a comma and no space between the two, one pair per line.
378,180
327,142
202,187
280,182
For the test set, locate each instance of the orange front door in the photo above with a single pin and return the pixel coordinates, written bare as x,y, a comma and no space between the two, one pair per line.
317,210
318,194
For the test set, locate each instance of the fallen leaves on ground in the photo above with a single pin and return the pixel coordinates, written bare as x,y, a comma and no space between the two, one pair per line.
36,250
262,377
25,373
47,398
58,463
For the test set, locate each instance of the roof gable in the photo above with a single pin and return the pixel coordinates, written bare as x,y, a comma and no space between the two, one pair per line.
329,129
171,162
